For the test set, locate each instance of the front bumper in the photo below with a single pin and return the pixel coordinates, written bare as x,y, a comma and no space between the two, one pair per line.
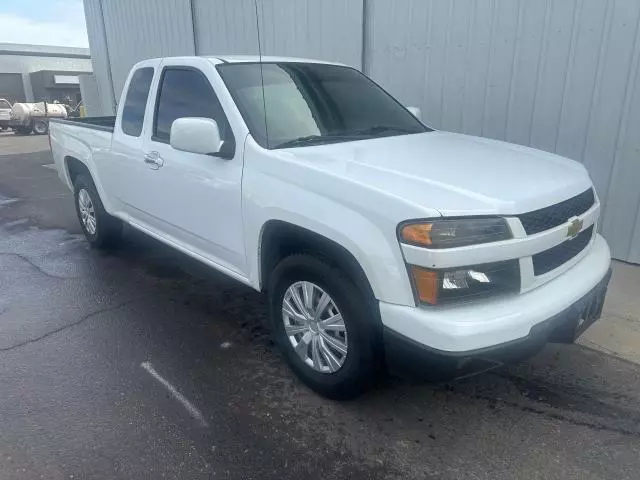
405,357
500,330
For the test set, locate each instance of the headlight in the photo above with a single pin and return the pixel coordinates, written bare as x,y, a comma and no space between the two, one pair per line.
437,287
455,233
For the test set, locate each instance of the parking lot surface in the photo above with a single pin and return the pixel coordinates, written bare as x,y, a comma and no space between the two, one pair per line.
141,363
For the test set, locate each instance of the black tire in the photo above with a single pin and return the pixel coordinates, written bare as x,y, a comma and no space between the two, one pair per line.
22,131
361,363
40,127
108,229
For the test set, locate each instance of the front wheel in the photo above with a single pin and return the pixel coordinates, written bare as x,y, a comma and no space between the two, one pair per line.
101,229
323,326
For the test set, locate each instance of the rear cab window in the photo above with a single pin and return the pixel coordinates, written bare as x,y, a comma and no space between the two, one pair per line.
136,101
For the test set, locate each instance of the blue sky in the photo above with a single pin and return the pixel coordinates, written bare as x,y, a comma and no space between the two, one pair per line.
43,22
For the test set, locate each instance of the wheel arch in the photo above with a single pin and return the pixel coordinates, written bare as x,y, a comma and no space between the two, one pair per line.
75,167
280,239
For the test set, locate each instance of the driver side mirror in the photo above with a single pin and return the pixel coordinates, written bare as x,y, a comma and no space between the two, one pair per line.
195,135
415,111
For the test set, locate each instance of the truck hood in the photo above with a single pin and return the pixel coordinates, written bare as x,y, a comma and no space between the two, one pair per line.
452,173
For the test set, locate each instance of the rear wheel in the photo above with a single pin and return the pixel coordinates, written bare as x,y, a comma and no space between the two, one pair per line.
323,326
101,229
22,130
40,127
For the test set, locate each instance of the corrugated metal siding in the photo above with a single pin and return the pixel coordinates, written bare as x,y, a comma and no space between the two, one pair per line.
90,95
99,55
559,75
145,29
224,27
323,29
622,214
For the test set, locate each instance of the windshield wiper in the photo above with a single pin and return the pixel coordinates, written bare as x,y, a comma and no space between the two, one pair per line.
353,135
311,140
376,129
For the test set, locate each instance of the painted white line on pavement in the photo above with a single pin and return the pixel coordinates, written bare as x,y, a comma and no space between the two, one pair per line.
193,411
50,166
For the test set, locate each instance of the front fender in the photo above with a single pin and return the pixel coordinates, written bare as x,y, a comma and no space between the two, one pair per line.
374,246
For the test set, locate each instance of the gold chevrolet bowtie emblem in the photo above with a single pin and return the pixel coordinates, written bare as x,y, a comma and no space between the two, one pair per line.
574,227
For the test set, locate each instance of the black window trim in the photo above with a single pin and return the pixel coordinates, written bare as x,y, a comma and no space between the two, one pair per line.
144,67
228,148
276,62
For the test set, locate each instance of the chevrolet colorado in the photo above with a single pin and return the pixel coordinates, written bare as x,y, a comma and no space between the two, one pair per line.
379,241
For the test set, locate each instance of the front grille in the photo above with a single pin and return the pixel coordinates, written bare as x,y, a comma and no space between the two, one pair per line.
551,259
550,217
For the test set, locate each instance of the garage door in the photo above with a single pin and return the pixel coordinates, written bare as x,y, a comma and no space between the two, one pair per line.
11,87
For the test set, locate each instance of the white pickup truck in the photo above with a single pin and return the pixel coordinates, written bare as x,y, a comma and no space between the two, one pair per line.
379,241
5,114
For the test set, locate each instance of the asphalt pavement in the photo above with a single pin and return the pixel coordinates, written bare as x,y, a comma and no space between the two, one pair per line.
140,363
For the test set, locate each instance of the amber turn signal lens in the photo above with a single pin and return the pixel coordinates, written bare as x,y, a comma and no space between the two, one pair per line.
426,283
418,233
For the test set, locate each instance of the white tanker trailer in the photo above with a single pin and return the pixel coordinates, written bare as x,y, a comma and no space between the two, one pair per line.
34,117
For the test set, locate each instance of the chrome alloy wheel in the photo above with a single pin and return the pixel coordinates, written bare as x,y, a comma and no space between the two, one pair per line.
87,213
315,327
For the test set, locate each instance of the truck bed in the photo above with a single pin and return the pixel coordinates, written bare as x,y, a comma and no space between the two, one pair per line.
96,123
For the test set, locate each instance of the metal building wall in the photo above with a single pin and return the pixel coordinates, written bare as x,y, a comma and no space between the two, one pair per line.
224,27
90,95
559,75
123,32
100,55
323,29
142,29
12,87
24,64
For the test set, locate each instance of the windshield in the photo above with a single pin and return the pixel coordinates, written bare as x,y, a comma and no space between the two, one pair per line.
310,104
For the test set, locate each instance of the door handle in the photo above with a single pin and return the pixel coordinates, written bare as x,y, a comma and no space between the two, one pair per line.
154,160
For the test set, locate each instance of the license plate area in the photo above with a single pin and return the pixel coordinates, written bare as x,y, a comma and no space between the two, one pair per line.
581,315
589,312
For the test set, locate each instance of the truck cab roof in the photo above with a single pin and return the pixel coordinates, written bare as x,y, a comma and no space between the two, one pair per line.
265,59
218,59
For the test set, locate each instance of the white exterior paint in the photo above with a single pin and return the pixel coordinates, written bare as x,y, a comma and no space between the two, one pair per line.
5,112
558,75
355,194
502,320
